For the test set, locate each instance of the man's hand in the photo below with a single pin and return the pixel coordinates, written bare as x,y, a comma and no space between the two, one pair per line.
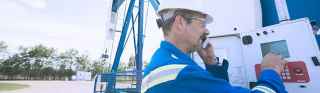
207,55
273,61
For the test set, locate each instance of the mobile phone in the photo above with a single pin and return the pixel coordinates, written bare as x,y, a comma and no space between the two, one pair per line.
205,42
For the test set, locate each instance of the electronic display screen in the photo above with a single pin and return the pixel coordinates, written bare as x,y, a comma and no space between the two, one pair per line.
277,47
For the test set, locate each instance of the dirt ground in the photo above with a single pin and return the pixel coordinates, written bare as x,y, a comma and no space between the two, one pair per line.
53,87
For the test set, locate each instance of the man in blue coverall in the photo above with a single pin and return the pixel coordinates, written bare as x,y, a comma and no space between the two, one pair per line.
172,70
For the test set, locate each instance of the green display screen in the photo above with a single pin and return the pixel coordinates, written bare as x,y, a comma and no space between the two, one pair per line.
277,47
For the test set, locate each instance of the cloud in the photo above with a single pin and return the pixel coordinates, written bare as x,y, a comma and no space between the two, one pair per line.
60,24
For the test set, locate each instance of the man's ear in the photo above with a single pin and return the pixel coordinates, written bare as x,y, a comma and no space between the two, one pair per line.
180,22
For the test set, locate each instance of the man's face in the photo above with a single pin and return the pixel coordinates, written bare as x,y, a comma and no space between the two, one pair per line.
194,33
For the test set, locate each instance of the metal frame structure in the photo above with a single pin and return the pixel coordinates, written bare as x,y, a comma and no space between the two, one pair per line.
110,78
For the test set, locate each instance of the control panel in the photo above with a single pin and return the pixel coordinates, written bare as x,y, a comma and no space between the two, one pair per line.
292,40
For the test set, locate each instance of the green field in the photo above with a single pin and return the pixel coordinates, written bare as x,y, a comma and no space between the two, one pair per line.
11,86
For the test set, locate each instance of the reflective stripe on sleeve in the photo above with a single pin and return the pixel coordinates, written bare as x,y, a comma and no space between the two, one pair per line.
263,89
161,75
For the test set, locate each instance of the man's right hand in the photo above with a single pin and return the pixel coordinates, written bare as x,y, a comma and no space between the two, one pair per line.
273,61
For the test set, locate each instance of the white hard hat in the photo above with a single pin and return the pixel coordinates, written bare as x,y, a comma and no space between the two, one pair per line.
193,5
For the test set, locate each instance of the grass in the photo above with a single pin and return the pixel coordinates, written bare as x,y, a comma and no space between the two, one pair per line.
11,86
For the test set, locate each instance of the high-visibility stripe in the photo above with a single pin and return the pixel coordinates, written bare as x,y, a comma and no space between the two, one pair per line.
161,75
263,89
174,56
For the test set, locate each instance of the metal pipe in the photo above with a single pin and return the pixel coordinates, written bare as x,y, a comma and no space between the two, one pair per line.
111,84
140,46
282,10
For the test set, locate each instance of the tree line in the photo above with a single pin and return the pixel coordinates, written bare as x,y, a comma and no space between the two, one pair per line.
43,63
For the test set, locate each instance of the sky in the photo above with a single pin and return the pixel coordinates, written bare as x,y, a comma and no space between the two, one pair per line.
66,24
61,24
84,24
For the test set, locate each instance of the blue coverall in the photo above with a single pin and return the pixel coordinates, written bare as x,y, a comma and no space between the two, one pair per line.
173,71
